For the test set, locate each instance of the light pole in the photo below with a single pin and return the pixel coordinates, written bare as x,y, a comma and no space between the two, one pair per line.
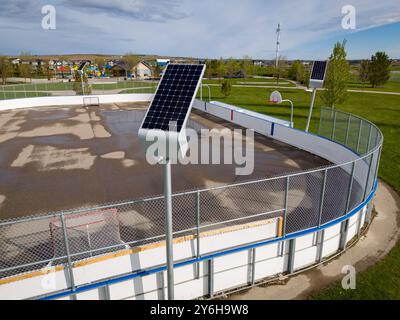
276,97
169,228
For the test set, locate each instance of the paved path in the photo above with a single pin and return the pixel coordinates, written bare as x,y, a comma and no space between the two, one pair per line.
381,237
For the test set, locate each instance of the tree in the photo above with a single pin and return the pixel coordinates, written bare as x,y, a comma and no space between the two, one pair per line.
130,61
363,74
279,71
337,76
379,69
232,66
296,71
156,70
25,70
221,68
81,81
246,66
6,69
226,88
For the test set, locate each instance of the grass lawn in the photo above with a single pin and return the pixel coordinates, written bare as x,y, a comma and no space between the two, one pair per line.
381,281
393,85
252,82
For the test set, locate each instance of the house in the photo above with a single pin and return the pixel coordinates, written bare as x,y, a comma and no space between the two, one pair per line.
118,69
142,70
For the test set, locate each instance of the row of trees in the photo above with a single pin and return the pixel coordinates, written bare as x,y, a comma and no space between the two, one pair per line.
375,71
23,70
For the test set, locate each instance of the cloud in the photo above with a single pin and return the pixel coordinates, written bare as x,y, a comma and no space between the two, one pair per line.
207,28
144,10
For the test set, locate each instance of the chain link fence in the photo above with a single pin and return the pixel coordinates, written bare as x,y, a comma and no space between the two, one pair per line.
66,88
304,200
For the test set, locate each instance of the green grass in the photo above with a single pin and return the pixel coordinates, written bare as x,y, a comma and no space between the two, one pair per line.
383,110
252,82
393,85
381,281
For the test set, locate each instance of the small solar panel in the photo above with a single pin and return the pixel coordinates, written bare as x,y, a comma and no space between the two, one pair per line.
318,70
174,97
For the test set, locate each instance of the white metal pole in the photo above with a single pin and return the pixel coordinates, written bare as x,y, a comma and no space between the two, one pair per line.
291,112
311,109
168,228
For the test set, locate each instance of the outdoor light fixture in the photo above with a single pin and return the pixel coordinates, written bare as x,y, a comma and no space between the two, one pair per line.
276,97
80,71
165,122
317,78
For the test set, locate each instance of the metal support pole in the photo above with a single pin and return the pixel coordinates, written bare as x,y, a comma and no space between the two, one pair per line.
292,252
285,206
104,293
168,228
359,135
253,265
201,90
368,175
320,244
198,233
334,126
349,189
369,138
291,111
368,214
311,109
360,213
211,277
66,242
377,163
321,200
343,234
346,141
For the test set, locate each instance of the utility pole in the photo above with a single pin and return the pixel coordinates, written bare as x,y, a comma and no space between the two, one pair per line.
278,38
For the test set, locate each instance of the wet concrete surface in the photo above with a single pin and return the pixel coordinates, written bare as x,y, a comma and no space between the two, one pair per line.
57,158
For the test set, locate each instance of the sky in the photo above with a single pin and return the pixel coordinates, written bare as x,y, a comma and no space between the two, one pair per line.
206,29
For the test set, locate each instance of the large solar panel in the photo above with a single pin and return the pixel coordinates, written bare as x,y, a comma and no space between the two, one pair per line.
318,70
174,97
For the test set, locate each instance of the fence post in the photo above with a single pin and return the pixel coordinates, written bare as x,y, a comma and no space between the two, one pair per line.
66,242
343,234
321,201
368,175
320,244
286,206
377,163
334,125
359,135
369,137
198,233
253,265
292,253
320,122
348,130
349,190
211,277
